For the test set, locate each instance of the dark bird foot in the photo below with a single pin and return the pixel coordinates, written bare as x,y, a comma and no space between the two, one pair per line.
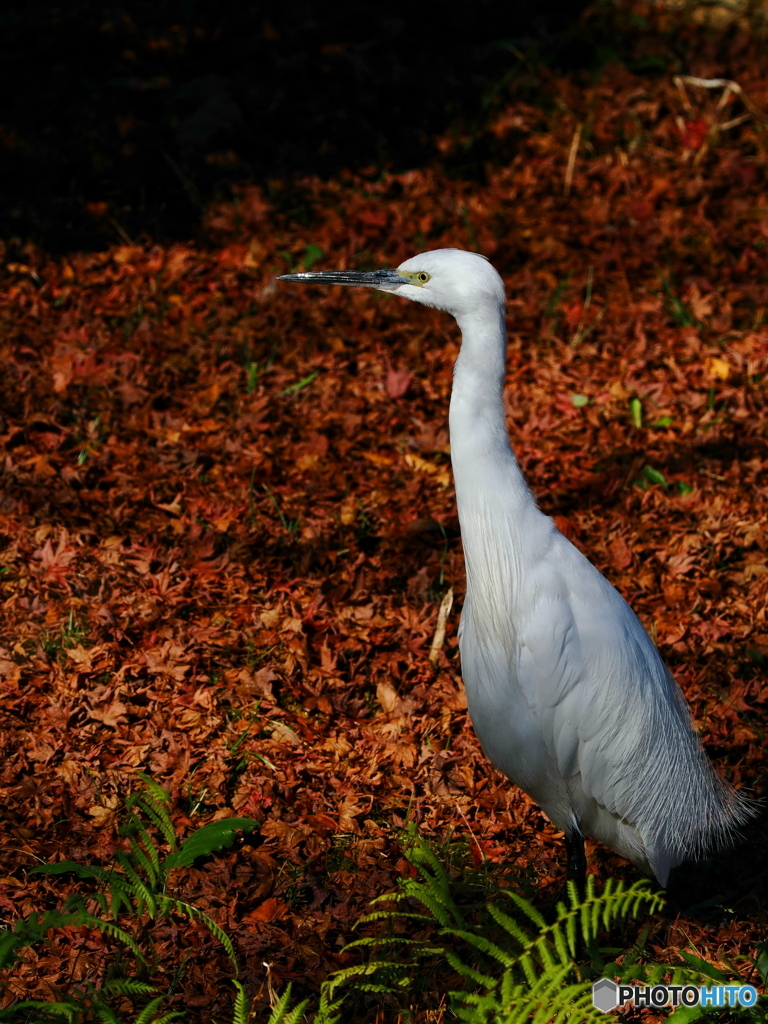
577,861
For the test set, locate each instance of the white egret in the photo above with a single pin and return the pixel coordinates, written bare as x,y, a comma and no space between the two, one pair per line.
566,691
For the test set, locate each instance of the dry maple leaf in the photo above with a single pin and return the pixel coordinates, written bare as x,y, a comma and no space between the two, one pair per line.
398,382
162,661
110,714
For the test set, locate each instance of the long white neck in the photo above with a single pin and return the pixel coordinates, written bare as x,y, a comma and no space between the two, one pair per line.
497,512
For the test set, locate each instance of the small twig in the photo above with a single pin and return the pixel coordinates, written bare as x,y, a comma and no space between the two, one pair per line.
707,83
442,618
121,231
472,834
271,993
578,336
728,86
572,159
732,124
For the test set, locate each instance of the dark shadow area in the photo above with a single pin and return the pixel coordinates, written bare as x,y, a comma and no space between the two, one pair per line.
126,119
732,883
623,467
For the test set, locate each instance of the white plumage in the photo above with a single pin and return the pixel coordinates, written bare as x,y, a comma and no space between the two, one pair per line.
567,694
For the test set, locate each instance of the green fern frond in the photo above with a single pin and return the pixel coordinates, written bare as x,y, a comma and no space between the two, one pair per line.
399,975
464,969
146,857
510,926
399,941
131,889
64,867
170,904
214,836
148,1015
433,902
155,802
34,928
105,1014
143,897
342,976
158,793
548,1001
241,1010
46,1012
329,1010
282,1015
127,987
515,965
113,930
388,915
482,944
434,892
121,899
527,909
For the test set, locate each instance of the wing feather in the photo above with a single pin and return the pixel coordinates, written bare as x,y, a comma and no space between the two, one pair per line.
609,710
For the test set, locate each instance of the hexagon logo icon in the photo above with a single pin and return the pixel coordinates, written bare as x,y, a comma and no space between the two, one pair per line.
605,995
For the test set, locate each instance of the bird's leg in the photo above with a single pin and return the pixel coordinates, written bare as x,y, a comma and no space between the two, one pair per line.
576,870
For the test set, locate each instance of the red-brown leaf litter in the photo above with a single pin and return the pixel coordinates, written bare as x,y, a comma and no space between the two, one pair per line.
228,520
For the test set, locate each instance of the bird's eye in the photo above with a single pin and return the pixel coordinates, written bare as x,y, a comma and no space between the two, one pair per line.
423,277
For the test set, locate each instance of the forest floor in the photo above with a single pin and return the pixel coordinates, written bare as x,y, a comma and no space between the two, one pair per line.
228,521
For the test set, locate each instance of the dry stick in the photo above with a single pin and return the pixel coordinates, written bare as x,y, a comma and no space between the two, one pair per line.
728,86
442,618
572,159
472,834
581,331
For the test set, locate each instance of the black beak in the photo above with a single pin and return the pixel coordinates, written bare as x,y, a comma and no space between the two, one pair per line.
384,280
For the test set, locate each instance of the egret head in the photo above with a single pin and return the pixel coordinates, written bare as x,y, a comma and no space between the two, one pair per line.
462,283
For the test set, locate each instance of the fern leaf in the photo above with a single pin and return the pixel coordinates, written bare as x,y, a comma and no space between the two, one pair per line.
159,794
466,971
110,928
145,811
149,1013
565,951
392,915
546,1001
63,867
481,943
346,974
329,1010
241,1011
436,885
702,967
104,1014
380,941
145,899
529,969
34,928
119,895
280,1013
127,987
120,898
55,1011
523,905
433,900
145,855
159,815
169,904
543,947
154,805
510,926
216,835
